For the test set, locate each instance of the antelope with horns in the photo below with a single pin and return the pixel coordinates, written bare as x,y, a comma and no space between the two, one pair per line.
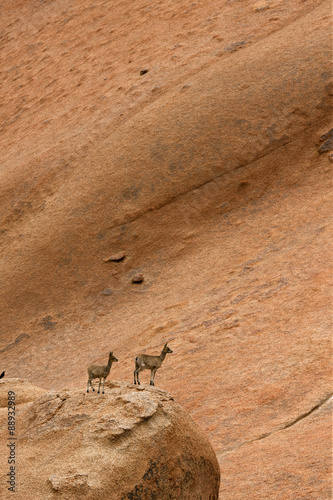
101,372
152,363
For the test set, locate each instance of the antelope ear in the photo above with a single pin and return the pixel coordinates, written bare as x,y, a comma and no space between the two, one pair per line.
165,345
111,353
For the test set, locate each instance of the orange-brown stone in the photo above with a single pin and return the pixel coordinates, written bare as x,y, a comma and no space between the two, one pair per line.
206,171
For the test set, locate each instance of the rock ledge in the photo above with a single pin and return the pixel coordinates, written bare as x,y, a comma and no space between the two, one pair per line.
129,443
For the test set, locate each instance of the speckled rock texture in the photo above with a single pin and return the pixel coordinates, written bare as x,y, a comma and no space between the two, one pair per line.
211,173
129,443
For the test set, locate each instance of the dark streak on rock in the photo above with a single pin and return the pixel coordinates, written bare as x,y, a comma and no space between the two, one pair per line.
47,323
328,144
16,341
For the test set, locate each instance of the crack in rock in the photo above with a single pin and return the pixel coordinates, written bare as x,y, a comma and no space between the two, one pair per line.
287,425
327,399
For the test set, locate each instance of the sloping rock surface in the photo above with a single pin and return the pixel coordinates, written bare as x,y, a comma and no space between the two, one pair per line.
195,140
128,443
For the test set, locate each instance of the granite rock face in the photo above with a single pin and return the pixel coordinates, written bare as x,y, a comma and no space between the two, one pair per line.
128,443
212,174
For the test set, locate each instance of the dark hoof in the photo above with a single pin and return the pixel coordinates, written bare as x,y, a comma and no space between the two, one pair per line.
151,383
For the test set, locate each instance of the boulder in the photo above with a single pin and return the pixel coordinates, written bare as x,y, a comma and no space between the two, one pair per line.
130,443
25,392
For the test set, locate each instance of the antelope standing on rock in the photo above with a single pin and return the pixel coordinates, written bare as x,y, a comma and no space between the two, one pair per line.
101,372
152,363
